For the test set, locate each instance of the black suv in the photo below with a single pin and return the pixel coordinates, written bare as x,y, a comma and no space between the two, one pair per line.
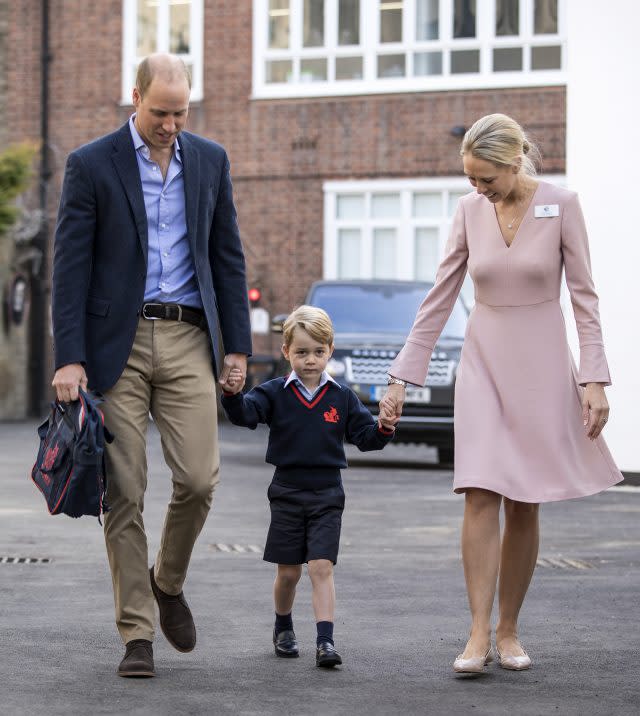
372,320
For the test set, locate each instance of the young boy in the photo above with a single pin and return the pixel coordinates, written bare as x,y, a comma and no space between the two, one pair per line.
309,416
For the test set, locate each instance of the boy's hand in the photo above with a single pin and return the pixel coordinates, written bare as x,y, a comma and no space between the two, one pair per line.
387,418
392,402
388,415
233,362
234,381
385,423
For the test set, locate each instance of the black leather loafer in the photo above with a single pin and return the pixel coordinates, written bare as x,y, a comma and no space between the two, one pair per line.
175,618
327,656
138,659
285,644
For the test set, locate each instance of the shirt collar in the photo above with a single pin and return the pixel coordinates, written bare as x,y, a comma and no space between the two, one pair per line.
324,378
141,147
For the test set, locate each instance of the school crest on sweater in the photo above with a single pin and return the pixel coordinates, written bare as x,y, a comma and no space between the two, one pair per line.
331,416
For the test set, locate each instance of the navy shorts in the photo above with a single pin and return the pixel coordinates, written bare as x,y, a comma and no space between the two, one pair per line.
305,524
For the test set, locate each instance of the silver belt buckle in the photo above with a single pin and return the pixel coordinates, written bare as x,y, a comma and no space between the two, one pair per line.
179,307
144,312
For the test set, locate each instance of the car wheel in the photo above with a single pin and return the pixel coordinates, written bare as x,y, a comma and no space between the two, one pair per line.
445,455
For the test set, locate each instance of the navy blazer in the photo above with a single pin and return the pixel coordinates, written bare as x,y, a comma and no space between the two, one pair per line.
100,254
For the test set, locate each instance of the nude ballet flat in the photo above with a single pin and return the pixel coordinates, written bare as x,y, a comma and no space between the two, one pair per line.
474,665
514,663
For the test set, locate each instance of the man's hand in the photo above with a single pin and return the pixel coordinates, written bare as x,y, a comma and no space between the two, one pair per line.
66,381
234,372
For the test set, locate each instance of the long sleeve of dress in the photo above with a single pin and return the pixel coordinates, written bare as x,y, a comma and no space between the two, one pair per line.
412,363
577,267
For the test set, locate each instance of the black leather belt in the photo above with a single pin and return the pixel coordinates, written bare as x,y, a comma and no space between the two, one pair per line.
174,312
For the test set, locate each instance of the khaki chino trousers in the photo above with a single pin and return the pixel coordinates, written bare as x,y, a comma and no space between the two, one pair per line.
169,375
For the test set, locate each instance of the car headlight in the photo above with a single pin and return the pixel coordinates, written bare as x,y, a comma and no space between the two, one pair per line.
336,367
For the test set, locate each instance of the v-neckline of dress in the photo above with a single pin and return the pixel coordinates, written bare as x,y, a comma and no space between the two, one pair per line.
522,221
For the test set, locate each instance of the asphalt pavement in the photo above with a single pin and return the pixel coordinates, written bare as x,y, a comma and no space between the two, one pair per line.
401,604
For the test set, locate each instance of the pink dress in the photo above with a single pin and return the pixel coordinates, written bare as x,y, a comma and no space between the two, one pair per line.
518,412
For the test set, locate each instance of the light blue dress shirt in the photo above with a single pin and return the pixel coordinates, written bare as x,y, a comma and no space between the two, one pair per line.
171,276
324,378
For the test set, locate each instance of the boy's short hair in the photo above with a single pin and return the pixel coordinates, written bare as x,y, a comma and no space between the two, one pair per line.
311,319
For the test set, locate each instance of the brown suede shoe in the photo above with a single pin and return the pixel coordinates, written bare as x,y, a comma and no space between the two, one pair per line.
175,618
138,659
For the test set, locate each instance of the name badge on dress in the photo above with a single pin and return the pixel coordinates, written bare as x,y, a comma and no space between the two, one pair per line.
545,211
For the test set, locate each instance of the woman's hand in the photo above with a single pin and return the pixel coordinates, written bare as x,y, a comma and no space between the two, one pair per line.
392,402
595,409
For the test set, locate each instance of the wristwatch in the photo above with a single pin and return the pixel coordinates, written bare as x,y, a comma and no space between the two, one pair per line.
396,381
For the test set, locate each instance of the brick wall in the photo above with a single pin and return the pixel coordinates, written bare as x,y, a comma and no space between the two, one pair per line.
281,151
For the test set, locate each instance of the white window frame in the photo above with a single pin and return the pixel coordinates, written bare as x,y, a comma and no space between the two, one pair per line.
405,225
370,48
130,59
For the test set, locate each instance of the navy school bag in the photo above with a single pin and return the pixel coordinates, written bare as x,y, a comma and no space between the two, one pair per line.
69,469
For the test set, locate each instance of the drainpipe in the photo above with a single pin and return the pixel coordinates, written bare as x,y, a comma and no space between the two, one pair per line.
39,333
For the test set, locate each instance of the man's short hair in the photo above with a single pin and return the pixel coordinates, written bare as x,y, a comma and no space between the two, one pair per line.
311,319
152,66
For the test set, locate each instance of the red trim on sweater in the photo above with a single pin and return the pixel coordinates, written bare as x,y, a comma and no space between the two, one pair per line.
316,400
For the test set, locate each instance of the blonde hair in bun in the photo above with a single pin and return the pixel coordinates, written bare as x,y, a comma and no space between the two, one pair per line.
499,139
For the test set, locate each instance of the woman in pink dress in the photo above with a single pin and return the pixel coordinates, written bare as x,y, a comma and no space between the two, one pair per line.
527,423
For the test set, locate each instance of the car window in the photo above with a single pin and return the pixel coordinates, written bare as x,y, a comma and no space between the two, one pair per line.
387,309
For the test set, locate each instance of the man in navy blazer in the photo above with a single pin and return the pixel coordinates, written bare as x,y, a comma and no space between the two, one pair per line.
148,276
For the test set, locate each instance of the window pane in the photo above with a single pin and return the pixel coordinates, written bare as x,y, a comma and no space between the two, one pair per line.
349,22
313,71
507,59
465,61
507,17
385,205
546,17
391,65
384,253
391,21
427,204
464,18
426,254
427,63
313,31
180,26
278,24
349,253
349,68
147,27
350,206
280,71
454,197
427,20
546,58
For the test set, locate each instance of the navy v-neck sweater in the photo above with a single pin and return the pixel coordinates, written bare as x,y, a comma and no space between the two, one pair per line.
307,434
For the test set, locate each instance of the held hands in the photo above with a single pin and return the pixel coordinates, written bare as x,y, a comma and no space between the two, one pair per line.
386,420
595,409
234,373
391,406
235,379
67,380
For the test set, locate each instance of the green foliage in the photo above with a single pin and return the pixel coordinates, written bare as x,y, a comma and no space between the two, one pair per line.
16,170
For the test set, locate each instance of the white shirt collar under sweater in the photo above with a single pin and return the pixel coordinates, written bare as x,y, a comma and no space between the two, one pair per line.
324,378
